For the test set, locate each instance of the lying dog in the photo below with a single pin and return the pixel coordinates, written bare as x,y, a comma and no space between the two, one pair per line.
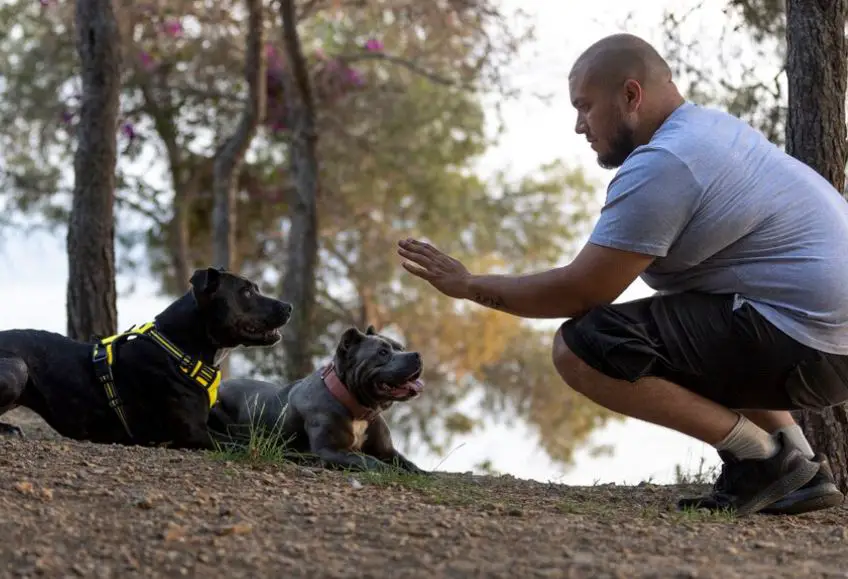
152,385
332,413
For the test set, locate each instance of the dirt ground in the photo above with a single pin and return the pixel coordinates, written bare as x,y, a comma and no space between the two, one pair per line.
74,509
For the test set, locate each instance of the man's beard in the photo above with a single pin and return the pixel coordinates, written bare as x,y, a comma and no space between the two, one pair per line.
621,145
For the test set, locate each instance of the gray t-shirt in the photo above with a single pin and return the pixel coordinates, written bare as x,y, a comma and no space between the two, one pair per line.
726,211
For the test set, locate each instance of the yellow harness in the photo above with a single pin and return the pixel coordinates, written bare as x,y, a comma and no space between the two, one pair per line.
208,377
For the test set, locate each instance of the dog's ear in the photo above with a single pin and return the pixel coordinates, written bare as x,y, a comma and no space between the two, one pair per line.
351,337
371,331
205,282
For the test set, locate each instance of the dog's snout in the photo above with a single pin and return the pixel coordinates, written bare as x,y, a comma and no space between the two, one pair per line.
284,310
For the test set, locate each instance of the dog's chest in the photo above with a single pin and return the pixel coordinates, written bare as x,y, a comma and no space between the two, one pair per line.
359,435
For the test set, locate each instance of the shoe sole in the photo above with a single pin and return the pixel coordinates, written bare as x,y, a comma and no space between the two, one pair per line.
816,500
779,489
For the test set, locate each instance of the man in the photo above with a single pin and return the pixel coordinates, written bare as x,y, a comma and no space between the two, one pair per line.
746,248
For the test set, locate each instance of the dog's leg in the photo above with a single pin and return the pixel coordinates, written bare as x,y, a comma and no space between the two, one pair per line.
13,379
379,444
326,442
340,459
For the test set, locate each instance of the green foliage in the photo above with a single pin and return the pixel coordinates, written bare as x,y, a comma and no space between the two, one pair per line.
742,69
399,129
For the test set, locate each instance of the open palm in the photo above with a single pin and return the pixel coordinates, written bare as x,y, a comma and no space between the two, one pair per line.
442,271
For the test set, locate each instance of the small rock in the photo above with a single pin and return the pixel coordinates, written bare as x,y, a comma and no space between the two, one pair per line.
349,526
144,502
24,487
307,472
173,533
764,545
355,484
241,528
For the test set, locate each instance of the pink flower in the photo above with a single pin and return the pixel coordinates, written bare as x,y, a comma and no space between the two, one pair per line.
320,54
354,77
147,61
67,116
173,28
128,130
374,45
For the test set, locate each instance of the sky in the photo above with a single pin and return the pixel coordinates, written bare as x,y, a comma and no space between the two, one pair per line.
536,133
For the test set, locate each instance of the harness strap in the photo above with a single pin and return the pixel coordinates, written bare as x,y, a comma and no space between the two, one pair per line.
206,376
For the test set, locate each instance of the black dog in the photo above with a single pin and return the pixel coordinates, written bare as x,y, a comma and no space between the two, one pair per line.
333,413
152,385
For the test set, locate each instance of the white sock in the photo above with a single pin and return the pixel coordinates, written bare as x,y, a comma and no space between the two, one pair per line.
795,436
747,440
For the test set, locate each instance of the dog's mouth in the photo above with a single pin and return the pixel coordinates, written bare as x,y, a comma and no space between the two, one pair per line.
261,334
409,388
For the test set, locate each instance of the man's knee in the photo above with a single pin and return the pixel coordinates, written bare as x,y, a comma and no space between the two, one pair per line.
570,367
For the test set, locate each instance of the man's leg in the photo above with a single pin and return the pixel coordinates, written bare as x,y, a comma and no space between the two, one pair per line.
773,471
780,421
672,361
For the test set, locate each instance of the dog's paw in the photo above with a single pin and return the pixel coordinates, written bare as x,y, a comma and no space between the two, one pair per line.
11,430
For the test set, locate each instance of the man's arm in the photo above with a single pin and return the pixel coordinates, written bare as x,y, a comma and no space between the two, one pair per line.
598,275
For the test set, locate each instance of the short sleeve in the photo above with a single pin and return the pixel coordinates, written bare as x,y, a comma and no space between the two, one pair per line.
649,202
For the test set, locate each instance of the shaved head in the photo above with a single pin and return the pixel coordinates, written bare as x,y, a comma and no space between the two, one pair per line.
623,91
617,58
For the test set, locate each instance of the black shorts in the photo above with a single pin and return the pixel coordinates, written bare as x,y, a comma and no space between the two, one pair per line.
698,341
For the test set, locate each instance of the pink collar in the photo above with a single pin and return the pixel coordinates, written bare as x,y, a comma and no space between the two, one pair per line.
341,393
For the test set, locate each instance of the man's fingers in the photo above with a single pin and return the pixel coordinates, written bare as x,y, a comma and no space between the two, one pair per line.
416,270
419,258
421,247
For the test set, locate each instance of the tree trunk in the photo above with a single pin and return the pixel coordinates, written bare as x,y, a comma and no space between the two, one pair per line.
229,157
298,286
91,295
817,71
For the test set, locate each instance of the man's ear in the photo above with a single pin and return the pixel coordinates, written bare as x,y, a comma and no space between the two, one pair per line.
204,284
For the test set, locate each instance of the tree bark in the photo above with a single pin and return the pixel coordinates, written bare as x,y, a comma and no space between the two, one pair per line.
298,286
817,70
91,293
229,157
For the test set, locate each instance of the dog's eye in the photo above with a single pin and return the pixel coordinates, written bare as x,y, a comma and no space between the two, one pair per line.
247,292
384,352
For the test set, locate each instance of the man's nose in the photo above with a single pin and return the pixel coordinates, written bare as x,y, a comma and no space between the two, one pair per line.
580,125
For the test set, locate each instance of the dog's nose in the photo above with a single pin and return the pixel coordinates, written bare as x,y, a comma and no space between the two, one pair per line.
287,309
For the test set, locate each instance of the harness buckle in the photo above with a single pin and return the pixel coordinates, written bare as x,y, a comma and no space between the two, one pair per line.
100,354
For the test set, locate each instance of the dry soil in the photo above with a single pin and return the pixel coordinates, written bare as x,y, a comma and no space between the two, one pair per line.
76,509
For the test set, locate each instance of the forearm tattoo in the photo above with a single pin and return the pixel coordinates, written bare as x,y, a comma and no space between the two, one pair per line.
490,301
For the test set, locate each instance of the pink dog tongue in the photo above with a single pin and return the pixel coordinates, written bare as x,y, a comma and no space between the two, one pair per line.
414,385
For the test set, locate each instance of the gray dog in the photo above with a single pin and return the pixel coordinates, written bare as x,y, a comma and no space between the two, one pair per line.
333,413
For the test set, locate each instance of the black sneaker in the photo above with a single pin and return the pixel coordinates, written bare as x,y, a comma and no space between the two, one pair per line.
718,499
820,493
747,486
